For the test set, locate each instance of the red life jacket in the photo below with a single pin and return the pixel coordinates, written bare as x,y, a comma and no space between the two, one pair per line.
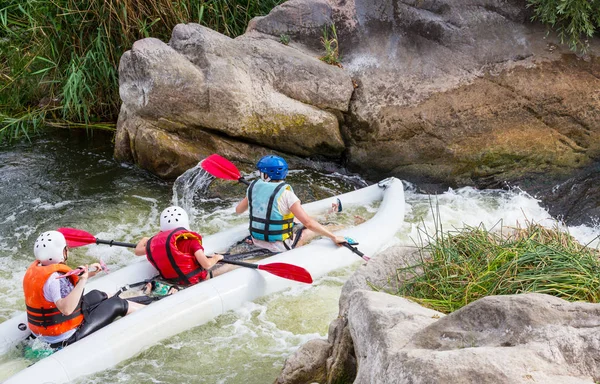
43,317
171,263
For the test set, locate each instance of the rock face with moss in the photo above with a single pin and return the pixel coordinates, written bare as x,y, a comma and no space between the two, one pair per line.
446,94
381,338
204,91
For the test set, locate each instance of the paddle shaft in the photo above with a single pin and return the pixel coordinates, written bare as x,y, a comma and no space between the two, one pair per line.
355,250
243,181
115,243
240,263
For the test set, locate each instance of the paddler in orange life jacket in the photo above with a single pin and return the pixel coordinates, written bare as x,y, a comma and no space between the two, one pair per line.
176,252
58,312
274,208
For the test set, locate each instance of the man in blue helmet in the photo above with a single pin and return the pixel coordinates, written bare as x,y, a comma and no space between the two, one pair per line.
274,207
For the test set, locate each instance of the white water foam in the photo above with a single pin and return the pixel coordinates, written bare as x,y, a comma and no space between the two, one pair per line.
249,345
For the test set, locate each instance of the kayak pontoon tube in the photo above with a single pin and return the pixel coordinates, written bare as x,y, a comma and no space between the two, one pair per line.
200,303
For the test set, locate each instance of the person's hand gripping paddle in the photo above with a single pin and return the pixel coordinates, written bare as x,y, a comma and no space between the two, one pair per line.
350,244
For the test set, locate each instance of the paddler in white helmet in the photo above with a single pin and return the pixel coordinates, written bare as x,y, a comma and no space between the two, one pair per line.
58,312
177,252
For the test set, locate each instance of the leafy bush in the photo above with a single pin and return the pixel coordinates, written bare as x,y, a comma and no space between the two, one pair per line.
574,20
59,58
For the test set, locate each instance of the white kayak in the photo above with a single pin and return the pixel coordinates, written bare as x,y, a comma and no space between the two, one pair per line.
202,302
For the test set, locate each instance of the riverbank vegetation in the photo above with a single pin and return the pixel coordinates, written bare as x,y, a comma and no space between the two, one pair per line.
457,268
59,58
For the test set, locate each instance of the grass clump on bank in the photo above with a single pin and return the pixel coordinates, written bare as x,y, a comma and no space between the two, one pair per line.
59,58
459,268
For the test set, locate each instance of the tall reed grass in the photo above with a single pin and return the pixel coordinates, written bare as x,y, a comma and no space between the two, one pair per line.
457,268
59,58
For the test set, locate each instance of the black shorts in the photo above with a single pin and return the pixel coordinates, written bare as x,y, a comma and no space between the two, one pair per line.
98,311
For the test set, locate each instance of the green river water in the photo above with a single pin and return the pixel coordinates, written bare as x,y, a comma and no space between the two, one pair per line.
70,180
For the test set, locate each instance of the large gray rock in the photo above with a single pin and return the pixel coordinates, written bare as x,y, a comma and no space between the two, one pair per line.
464,93
306,365
460,93
497,339
380,338
448,94
303,21
248,89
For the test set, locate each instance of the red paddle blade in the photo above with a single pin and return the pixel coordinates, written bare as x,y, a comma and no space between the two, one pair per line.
220,167
288,271
77,237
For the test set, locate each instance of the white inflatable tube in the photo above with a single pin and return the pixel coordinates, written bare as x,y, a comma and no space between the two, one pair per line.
200,303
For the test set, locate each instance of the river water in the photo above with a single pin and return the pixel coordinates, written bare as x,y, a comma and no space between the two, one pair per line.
71,180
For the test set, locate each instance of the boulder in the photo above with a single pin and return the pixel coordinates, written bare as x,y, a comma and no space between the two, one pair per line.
455,94
380,338
498,339
246,90
433,91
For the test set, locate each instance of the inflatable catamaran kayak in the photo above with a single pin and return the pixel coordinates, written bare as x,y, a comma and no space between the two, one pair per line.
202,302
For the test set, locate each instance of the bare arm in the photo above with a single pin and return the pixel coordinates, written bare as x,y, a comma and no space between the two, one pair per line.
242,206
67,305
206,262
312,224
140,248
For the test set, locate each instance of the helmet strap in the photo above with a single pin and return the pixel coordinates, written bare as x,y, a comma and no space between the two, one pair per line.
264,177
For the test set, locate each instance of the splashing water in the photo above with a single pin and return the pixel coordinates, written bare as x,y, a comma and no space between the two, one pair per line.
189,187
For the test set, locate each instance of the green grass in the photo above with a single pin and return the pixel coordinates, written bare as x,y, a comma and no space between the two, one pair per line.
457,268
59,58
330,44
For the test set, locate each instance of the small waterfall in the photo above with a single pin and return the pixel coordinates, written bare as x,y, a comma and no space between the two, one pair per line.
190,186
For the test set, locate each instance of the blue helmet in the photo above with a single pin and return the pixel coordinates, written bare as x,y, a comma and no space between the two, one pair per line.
273,166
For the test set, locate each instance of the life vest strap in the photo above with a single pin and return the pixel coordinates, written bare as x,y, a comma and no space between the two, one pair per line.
272,233
267,221
184,278
194,272
48,318
171,258
273,222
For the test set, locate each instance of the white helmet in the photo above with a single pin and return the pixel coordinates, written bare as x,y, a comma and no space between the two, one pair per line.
49,246
174,217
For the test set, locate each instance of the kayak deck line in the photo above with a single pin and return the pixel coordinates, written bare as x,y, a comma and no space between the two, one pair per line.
198,304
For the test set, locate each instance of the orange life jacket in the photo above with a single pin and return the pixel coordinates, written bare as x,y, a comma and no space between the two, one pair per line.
43,317
171,263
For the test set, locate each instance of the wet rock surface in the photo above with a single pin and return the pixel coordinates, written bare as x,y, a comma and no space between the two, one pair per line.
382,338
434,92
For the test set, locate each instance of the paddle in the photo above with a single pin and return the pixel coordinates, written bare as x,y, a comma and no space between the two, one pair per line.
287,271
349,244
79,270
78,238
222,168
